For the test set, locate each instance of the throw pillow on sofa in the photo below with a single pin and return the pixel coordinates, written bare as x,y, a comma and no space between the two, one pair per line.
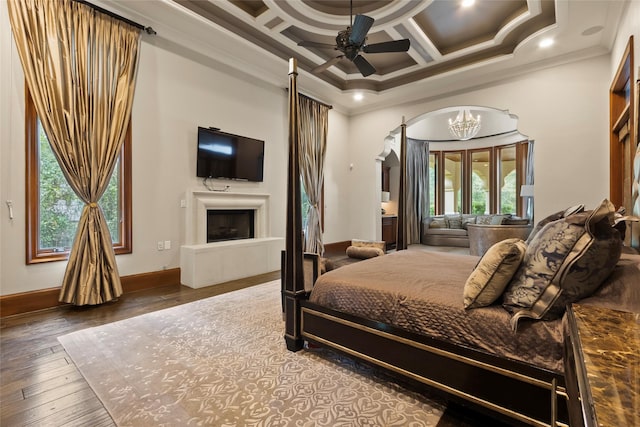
567,260
453,221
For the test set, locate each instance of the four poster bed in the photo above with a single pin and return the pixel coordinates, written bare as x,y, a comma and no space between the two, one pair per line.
403,312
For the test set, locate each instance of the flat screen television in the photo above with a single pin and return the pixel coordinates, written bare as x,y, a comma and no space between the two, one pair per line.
227,156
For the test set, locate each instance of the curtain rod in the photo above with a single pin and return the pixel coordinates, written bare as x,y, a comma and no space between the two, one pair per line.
147,30
286,89
315,100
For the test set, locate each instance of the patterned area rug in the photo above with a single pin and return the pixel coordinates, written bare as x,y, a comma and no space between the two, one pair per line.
222,361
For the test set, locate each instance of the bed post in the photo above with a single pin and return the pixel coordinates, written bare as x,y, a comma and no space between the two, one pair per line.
293,276
401,240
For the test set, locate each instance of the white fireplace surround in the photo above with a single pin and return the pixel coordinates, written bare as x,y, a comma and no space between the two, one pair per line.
204,264
198,202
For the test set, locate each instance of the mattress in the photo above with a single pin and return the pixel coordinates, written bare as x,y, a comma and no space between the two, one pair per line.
422,292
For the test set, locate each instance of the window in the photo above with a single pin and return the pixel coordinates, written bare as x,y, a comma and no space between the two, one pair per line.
53,209
452,182
433,189
304,202
478,181
507,180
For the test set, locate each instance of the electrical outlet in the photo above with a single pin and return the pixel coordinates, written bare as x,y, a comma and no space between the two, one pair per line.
160,245
183,203
167,244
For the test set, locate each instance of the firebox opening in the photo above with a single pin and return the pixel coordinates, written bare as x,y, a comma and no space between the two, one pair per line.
230,224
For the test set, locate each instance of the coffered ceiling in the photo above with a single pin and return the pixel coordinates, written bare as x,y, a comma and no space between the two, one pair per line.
453,48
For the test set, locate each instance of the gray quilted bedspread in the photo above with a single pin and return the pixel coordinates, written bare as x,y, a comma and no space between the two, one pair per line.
422,292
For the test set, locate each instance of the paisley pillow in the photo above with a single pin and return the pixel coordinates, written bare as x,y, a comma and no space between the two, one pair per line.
567,260
554,217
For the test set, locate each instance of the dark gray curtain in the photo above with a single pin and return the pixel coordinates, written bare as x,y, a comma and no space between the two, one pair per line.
529,179
417,187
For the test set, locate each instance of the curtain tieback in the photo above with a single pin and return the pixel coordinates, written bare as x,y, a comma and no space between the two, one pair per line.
93,205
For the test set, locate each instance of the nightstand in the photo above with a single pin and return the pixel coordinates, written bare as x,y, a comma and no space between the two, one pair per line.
389,230
602,366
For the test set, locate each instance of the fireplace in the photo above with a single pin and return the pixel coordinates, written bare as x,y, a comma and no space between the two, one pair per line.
230,224
215,249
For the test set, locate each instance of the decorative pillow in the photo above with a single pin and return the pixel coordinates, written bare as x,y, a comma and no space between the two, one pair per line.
567,260
493,273
516,221
363,252
437,223
554,217
484,219
369,244
468,219
498,219
453,221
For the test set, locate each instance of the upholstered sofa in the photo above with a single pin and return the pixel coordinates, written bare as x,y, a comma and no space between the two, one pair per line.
452,230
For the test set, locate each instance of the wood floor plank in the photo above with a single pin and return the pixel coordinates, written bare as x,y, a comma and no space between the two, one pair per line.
39,370
67,375
31,381
47,404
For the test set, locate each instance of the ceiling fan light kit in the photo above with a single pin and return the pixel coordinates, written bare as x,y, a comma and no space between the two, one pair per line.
351,42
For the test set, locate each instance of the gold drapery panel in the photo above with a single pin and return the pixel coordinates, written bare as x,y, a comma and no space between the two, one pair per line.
313,125
80,66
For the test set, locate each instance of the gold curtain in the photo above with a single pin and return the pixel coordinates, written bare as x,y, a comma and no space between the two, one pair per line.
80,66
314,119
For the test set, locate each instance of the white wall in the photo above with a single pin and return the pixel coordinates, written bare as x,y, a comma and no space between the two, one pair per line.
564,109
174,95
629,25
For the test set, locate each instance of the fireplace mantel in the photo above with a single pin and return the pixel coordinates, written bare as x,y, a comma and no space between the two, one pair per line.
198,201
205,264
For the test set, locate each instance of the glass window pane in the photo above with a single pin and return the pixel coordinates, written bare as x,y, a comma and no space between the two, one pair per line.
480,182
59,206
433,173
507,180
452,182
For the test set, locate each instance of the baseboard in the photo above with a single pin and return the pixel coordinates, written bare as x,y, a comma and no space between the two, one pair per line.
47,298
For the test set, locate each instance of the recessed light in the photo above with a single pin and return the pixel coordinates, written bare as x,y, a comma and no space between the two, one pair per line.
467,3
545,42
358,96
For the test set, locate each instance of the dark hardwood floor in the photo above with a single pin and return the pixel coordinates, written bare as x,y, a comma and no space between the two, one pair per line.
40,385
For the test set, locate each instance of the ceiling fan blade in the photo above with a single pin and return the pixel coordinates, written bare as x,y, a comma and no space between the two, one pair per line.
392,46
307,43
361,26
365,68
320,68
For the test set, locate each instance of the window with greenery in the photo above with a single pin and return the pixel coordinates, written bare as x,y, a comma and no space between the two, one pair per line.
452,182
479,181
508,180
54,209
304,202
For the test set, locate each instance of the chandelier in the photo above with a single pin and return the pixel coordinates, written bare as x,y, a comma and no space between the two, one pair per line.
465,126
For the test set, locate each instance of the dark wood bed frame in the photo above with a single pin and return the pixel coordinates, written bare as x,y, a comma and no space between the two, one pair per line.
509,390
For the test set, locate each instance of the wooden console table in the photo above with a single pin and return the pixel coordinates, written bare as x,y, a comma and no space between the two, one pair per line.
602,367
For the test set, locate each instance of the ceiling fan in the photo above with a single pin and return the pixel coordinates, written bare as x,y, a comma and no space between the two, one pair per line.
352,41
